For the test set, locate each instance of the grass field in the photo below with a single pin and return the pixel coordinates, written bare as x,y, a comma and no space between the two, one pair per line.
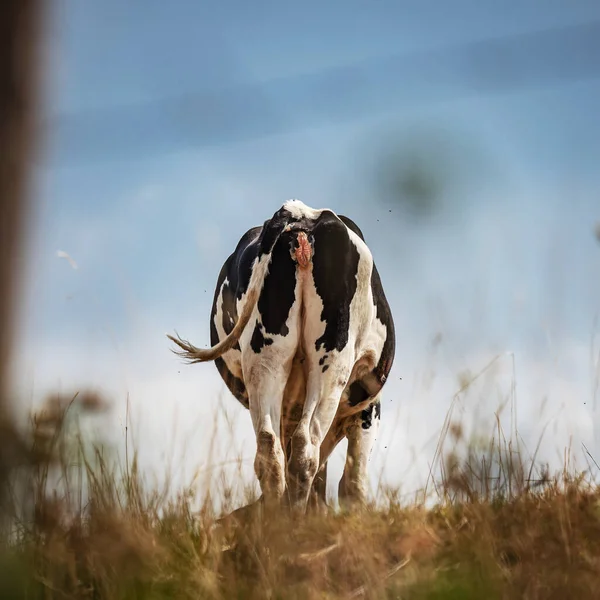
80,525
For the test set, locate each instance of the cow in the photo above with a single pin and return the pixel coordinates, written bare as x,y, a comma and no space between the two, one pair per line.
303,336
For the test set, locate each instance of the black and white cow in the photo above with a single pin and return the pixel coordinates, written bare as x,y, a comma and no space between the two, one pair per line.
303,336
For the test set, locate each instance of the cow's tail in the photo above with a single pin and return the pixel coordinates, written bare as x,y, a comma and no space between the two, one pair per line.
271,232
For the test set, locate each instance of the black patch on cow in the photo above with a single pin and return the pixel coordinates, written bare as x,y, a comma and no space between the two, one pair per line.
272,230
228,308
323,359
373,411
377,414
234,384
335,265
350,224
384,314
279,290
357,393
240,269
367,417
258,340
325,368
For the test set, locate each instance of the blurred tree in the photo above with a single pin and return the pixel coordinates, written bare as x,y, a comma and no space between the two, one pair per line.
421,168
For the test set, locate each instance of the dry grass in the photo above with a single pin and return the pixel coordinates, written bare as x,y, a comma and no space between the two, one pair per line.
81,526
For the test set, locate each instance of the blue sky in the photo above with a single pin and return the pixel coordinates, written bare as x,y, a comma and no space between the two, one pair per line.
149,206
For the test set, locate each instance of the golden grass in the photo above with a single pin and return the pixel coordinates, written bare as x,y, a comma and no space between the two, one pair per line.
80,525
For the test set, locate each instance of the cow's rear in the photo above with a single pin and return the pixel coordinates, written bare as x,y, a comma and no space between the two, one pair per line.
302,334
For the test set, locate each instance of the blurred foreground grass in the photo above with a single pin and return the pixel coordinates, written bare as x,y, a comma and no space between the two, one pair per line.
81,525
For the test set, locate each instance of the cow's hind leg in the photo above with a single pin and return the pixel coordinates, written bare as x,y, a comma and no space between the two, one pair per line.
336,433
265,390
361,431
324,389
317,500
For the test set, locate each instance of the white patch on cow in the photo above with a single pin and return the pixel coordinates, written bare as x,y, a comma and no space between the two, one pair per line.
377,335
299,210
373,331
362,306
233,357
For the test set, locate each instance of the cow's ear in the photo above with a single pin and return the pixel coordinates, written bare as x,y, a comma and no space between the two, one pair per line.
350,224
